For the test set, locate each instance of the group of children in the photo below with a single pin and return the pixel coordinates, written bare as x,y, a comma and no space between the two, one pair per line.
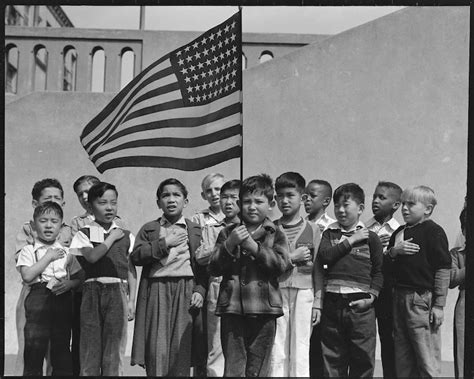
230,292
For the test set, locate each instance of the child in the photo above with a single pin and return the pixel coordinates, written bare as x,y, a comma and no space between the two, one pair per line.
229,203
301,285
102,249
458,278
353,280
44,190
421,266
316,198
45,267
211,188
172,286
81,187
250,257
385,202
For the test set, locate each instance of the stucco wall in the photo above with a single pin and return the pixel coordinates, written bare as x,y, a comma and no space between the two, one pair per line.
384,101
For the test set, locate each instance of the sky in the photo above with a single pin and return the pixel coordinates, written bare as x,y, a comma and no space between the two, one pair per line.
268,19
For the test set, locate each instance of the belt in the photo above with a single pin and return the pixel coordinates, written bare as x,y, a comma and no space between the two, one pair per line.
105,280
347,296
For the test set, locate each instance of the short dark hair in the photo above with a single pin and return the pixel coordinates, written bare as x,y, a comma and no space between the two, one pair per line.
290,180
48,207
323,183
463,219
169,182
258,183
45,183
398,190
97,190
350,190
233,184
85,178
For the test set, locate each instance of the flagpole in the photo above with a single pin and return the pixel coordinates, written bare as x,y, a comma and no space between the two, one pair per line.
242,106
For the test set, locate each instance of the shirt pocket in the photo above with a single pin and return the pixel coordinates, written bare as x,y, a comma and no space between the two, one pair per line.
361,252
225,292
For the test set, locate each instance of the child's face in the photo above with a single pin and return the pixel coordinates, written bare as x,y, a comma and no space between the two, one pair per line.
212,191
104,208
347,212
255,207
47,226
315,199
50,194
229,202
384,202
289,201
172,202
415,211
82,192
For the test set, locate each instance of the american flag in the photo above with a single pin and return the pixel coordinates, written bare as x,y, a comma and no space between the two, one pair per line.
181,112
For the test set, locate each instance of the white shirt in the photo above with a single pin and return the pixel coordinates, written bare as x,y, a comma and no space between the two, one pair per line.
97,231
60,268
383,229
323,222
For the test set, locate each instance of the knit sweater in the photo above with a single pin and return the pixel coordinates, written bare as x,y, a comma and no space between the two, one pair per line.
357,266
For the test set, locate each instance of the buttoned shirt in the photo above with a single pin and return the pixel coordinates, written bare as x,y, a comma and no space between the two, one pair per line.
387,227
78,222
177,263
323,221
207,217
59,268
345,235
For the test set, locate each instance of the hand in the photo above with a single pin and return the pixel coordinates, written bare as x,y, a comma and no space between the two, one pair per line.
404,248
362,304
239,234
384,238
55,253
131,310
360,235
316,316
63,286
197,300
116,234
301,254
436,316
176,238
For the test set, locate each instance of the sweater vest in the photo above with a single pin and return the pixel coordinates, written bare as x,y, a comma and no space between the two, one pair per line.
113,264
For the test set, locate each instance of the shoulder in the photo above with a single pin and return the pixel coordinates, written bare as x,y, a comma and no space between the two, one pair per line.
192,224
151,225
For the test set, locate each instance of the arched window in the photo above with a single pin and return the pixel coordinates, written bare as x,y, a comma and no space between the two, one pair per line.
41,68
127,66
266,56
11,69
244,61
69,68
98,70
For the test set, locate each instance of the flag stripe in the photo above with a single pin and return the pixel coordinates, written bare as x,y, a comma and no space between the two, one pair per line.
173,132
172,151
171,162
174,142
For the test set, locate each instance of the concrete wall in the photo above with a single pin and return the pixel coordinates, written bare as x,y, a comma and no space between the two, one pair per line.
384,101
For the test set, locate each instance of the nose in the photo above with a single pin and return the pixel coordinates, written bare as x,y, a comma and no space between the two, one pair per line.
84,196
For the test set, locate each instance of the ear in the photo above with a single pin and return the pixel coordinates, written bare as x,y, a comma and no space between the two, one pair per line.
158,203
361,208
63,204
203,196
34,203
326,201
396,205
272,204
429,209
185,203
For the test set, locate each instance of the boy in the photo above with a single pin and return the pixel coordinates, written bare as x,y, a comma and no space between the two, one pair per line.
229,203
250,257
44,190
353,280
172,287
421,267
301,285
102,249
211,188
385,202
44,266
316,198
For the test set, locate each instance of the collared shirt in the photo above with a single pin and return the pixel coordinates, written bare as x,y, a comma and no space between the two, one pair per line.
177,262
336,288
209,236
387,227
323,222
60,268
79,222
207,217
97,231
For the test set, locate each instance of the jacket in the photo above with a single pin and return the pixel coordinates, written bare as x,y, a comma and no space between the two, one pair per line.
250,282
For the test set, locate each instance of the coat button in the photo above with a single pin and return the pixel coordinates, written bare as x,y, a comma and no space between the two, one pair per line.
243,283
260,283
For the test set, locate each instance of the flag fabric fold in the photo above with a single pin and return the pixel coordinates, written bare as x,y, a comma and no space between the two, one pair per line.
182,112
